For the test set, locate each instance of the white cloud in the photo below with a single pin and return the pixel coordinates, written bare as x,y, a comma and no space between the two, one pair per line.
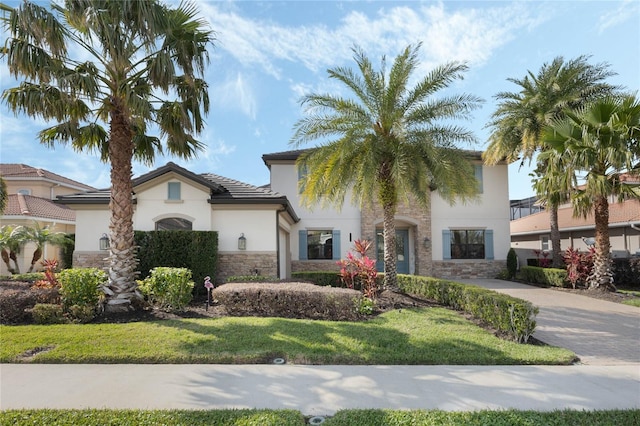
448,34
626,10
236,93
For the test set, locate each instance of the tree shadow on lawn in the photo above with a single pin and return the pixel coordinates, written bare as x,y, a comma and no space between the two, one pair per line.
378,341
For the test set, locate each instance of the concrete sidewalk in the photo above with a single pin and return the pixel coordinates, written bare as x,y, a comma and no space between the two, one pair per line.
599,332
319,390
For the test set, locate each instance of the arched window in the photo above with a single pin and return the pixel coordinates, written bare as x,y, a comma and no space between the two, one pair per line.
173,224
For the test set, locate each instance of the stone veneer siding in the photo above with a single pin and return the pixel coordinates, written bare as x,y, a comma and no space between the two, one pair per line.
420,227
314,265
468,269
91,259
246,263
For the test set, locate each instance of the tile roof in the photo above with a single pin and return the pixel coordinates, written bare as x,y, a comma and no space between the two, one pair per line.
22,171
223,190
294,154
620,214
38,208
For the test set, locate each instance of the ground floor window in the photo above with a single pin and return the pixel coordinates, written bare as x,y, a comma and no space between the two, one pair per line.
319,244
467,244
173,224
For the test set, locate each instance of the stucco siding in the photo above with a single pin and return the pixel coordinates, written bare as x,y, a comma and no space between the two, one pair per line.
258,227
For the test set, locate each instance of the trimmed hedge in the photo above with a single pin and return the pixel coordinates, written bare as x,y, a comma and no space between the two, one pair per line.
546,276
193,250
289,300
510,315
15,305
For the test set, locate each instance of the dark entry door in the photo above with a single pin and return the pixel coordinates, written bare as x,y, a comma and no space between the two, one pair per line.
402,251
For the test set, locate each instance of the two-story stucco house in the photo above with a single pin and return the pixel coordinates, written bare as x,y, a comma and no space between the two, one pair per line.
31,192
464,240
266,230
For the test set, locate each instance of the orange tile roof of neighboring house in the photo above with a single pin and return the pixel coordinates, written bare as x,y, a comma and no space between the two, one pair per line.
38,208
23,171
619,214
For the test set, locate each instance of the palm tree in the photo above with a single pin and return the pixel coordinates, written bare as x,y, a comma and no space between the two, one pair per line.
11,241
41,236
387,141
520,117
599,140
89,63
4,195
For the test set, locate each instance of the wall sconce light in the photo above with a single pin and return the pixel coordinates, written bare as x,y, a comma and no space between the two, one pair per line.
104,242
427,243
242,242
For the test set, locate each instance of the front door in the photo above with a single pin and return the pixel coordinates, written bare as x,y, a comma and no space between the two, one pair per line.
402,251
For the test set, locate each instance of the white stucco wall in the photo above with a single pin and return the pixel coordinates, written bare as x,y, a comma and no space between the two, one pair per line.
284,179
90,225
491,211
258,227
152,205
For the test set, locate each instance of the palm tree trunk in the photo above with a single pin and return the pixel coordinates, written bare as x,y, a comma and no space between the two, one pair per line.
557,261
121,288
390,255
36,256
602,276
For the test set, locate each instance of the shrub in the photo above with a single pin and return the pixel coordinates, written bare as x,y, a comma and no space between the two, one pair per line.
289,300
579,265
360,272
545,276
512,263
48,313
251,279
626,272
322,278
510,315
81,314
15,305
29,277
168,288
81,286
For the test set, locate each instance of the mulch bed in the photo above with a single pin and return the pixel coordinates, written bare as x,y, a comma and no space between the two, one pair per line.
386,301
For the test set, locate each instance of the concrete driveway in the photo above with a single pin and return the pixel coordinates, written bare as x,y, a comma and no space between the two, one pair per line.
599,332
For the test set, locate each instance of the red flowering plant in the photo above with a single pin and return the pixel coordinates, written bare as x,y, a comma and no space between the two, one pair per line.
579,265
359,272
543,258
50,280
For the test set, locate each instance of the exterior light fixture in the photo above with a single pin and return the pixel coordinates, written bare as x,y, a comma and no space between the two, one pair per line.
104,242
242,242
427,243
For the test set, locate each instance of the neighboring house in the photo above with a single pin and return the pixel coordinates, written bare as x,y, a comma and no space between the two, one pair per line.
462,241
281,236
31,191
532,232
172,197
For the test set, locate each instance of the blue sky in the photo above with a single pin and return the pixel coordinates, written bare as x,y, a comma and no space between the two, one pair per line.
269,53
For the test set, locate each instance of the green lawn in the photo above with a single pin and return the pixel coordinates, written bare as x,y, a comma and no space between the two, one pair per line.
294,418
408,336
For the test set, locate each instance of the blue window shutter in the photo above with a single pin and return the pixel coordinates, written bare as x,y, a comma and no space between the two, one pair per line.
478,175
336,245
446,244
488,244
302,243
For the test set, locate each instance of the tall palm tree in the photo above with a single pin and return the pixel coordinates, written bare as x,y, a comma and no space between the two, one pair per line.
599,140
126,64
520,117
387,141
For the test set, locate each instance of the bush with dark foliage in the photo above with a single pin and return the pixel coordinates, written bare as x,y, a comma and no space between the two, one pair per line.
289,300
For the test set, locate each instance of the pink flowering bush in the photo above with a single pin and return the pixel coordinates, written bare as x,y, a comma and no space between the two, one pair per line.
359,272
